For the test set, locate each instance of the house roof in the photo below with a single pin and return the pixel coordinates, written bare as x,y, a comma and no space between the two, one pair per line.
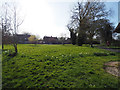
47,37
117,29
23,35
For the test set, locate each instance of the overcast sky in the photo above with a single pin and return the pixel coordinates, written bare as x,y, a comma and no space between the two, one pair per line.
50,17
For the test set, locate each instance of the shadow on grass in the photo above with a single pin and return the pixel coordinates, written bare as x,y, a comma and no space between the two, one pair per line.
9,52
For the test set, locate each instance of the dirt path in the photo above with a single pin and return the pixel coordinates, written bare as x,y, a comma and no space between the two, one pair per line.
113,68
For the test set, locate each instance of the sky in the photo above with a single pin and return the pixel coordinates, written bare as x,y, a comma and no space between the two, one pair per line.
119,11
50,17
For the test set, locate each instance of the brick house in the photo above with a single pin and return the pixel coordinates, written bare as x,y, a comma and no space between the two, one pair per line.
23,38
50,40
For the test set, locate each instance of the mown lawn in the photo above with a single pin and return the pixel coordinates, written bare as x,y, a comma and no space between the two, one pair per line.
57,66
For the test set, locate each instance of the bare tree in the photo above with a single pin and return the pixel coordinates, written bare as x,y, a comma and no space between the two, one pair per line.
11,16
5,24
15,28
83,14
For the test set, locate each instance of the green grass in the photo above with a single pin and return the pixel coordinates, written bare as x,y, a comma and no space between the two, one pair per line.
0,66
57,66
0,46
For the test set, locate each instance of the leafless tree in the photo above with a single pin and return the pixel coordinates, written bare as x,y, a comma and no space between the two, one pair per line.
16,24
5,24
85,13
12,22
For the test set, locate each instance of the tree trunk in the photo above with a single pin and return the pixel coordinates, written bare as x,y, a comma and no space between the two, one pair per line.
15,44
91,44
62,42
80,40
2,45
91,39
2,38
15,47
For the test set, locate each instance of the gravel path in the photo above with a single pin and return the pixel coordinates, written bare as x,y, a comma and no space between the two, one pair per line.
110,49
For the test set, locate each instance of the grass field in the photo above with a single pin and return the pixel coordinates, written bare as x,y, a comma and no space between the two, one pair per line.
0,66
57,66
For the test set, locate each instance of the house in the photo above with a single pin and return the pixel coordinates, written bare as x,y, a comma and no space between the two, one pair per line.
23,38
50,40
117,30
